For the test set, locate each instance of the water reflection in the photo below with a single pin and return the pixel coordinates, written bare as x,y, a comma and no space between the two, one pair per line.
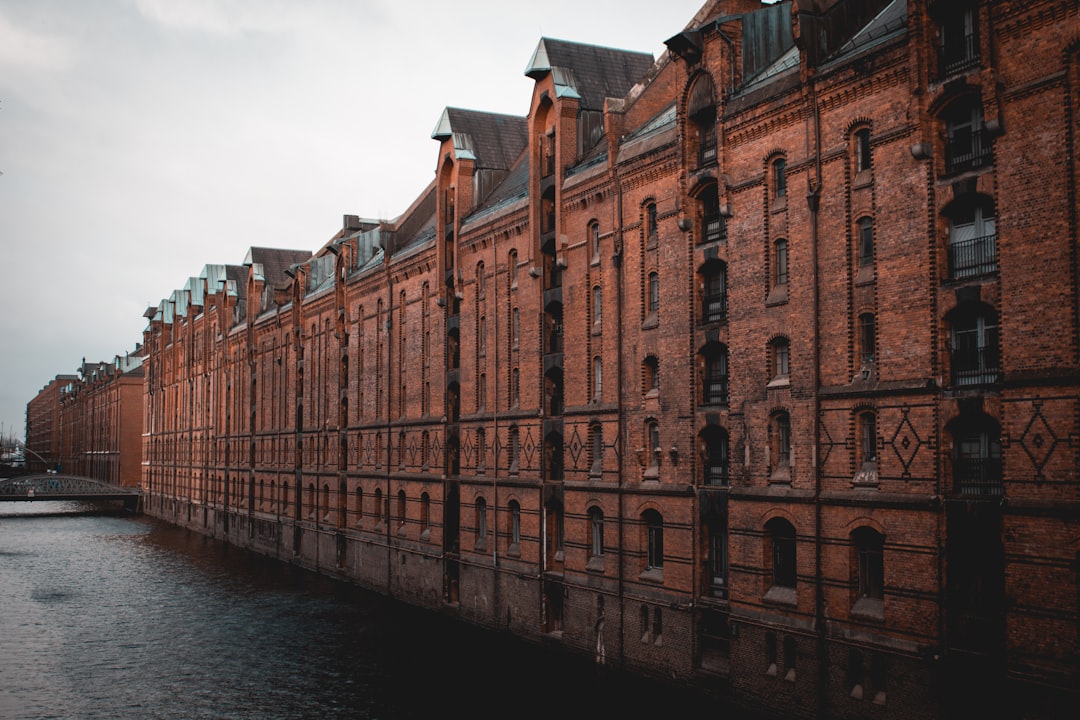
120,617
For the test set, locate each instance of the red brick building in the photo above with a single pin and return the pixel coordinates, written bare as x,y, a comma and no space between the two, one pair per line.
99,433
732,367
43,425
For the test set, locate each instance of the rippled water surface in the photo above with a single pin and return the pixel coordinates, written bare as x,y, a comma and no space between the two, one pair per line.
118,617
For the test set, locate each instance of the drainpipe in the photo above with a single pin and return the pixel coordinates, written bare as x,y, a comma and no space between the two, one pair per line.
495,470
389,406
813,201
616,260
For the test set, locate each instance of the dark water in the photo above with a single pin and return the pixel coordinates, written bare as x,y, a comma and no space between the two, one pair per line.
118,617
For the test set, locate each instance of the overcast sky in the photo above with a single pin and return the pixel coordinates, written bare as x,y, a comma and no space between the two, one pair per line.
142,139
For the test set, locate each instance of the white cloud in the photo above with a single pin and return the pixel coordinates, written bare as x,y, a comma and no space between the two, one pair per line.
22,48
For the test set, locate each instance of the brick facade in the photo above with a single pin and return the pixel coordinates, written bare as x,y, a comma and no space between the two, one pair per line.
733,367
90,424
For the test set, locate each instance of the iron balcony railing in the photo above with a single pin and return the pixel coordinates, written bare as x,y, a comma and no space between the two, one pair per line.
959,55
716,307
716,391
978,477
714,228
716,474
970,258
967,150
976,366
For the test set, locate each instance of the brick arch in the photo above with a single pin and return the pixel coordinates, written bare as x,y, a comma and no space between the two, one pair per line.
772,156
770,514
854,124
865,521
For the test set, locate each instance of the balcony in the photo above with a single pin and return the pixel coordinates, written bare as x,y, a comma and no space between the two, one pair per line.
974,257
975,366
958,55
967,150
713,228
978,477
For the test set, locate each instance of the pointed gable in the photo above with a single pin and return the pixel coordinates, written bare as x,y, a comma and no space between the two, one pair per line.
492,139
588,72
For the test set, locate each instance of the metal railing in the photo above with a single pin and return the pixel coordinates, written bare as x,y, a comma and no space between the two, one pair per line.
978,477
969,258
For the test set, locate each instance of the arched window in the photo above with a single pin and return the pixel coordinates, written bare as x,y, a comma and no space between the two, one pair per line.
780,535
975,357
481,449
867,438
651,228
597,307
653,302
865,235
714,442
513,450
651,451
701,111
654,540
972,237
425,516
650,375
861,141
780,261
780,447
779,178
714,290
596,531
378,506
868,566
867,341
594,240
967,144
596,448
515,524
716,554
512,269
976,463
713,228
715,379
780,355
597,378
481,523
959,33
401,509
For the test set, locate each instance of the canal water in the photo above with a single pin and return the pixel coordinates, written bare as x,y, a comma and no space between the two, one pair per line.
117,617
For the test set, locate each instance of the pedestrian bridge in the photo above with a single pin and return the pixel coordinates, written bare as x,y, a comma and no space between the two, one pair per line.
65,487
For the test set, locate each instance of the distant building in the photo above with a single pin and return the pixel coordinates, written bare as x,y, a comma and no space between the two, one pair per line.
43,425
753,366
90,424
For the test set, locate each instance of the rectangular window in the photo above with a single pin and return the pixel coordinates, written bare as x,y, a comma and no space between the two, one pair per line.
779,178
862,149
781,262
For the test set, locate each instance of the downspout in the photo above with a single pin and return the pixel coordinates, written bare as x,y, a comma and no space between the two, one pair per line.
616,260
813,201
495,470
387,325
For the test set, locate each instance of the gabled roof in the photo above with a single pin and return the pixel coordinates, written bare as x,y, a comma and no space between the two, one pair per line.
275,262
492,139
889,22
514,186
588,72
